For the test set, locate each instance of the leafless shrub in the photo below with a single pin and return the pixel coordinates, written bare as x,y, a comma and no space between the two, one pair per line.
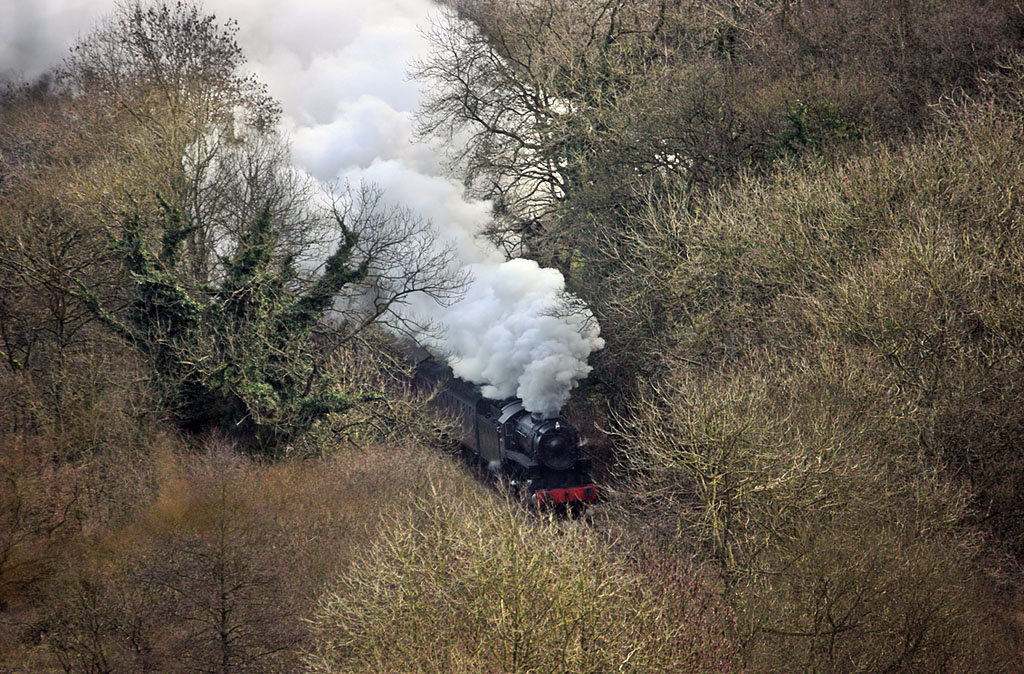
216,571
834,416
453,587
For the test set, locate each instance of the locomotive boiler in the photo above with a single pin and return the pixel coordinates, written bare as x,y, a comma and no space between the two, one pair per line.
540,457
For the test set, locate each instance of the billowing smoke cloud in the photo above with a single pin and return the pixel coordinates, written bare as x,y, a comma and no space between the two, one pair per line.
339,69
518,333
36,34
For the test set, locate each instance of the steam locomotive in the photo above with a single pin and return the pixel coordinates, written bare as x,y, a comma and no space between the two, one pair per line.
542,458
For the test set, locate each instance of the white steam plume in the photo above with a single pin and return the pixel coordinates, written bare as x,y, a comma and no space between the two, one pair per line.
338,67
517,332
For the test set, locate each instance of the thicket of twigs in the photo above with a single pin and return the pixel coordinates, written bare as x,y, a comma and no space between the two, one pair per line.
798,223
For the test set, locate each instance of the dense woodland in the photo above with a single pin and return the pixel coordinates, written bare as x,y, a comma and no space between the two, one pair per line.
799,224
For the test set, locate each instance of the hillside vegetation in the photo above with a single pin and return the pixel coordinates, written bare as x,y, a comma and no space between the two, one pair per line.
799,224
837,424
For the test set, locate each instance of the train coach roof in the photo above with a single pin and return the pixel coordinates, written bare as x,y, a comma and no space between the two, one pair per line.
434,372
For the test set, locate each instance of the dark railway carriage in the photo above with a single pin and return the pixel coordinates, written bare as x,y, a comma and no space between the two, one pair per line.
541,458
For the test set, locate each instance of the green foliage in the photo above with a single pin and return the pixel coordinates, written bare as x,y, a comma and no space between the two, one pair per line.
812,129
235,355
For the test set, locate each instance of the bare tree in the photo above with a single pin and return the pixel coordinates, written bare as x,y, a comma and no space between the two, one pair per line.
566,104
407,264
172,75
206,589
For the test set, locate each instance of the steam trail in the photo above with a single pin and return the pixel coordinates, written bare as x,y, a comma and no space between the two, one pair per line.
339,70
518,333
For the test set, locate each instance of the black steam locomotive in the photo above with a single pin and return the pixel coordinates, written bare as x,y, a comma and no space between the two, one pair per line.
542,458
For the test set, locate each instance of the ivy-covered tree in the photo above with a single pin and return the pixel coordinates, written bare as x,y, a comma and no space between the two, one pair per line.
236,354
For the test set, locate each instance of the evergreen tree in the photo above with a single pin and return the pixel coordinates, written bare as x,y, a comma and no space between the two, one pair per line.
236,354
